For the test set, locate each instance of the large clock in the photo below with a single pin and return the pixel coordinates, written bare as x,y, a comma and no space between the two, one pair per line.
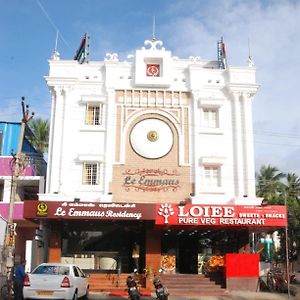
151,138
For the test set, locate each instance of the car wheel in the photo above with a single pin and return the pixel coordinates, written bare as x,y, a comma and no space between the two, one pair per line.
87,292
75,297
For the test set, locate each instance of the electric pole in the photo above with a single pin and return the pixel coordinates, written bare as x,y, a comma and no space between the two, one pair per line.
11,226
287,247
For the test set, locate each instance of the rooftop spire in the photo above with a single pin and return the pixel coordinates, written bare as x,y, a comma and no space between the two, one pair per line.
153,29
55,53
56,41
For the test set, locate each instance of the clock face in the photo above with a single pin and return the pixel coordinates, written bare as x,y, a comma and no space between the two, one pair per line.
152,70
151,138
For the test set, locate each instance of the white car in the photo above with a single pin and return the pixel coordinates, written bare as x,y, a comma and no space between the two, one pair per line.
56,281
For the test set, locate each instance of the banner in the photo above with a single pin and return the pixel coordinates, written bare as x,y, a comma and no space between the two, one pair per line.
88,210
164,214
221,215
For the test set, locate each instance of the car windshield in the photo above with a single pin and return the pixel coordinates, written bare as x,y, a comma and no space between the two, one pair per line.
51,270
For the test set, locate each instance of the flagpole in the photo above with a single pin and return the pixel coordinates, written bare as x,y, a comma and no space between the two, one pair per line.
56,41
153,29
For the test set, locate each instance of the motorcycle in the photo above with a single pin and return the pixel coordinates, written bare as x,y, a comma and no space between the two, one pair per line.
133,291
160,290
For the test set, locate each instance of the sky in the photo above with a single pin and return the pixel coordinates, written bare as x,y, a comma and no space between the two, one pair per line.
268,30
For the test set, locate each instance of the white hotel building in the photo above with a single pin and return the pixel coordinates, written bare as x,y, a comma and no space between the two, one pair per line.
132,141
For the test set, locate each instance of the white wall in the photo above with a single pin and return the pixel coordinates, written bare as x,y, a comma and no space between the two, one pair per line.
233,89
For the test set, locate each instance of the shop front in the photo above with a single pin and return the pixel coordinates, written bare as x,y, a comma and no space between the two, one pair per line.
172,239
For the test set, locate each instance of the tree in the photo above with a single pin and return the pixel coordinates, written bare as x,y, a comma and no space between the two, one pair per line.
40,129
280,188
268,184
292,186
292,193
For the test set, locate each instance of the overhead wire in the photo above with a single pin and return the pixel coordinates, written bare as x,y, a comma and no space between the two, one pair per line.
52,23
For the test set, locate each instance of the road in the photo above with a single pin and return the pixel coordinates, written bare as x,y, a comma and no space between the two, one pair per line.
238,295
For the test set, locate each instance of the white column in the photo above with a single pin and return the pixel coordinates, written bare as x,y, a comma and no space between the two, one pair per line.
41,184
55,140
195,125
249,180
237,146
50,148
109,139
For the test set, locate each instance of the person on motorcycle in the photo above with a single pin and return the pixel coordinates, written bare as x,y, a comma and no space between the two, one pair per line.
161,291
133,292
130,281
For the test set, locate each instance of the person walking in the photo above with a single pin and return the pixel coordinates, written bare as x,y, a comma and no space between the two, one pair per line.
19,280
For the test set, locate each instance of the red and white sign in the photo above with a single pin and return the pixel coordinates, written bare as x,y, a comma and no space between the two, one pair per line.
152,70
221,215
163,214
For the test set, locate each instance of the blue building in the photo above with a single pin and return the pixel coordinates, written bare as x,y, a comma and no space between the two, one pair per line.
9,138
30,181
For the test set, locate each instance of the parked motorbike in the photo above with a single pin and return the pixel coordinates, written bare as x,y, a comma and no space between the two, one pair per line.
133,291
160,290
293,279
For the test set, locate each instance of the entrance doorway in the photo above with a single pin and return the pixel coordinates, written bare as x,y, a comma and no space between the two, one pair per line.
192,248
187,254
184,246
93,241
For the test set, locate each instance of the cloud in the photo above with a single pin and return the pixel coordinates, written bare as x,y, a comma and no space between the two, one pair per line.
272,29
187,28
10,109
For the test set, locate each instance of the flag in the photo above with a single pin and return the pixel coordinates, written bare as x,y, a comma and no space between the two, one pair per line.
222,61
82,53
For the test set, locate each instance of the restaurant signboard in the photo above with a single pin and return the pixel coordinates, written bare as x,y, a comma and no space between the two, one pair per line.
221,215
163,214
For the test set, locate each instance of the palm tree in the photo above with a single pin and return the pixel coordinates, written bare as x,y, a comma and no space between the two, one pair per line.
40,129
292,193
268,183
292,187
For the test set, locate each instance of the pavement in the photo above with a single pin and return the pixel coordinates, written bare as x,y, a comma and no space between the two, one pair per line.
233,295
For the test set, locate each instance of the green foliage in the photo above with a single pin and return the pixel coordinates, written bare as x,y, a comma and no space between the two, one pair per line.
268,183
40,129
278,189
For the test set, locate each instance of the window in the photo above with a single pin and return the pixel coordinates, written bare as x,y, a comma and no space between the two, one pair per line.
80,272
91,173
51,270
94,114
76,274
210,118
212,176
